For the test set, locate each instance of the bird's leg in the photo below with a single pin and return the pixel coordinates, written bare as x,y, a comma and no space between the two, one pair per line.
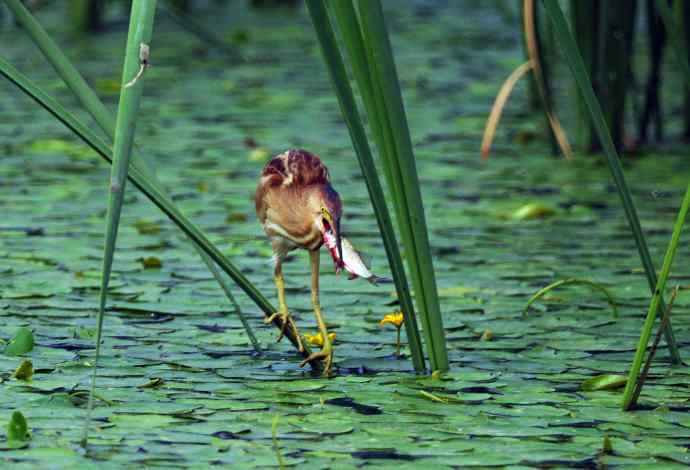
283,312
326,351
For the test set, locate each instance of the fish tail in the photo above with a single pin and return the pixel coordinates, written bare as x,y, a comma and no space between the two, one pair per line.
376,280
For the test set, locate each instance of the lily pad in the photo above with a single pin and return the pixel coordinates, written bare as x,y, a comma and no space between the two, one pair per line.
605,382
21,343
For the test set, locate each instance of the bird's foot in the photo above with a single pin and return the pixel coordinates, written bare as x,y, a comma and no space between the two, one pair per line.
286,319
325,354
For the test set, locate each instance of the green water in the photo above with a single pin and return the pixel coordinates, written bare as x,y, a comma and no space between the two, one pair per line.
514,400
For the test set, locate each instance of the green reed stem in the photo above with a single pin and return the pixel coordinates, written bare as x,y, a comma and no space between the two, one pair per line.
136,53
585,29
346,17
655,302
642,378
348,106
676,33
413,225
161,199
578,70
103,117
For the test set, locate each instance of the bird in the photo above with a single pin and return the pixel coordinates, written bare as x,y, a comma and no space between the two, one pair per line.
297,207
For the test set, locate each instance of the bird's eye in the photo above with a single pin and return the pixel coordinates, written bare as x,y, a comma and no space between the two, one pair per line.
326,214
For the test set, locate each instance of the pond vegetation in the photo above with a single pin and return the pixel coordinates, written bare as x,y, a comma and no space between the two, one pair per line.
521,281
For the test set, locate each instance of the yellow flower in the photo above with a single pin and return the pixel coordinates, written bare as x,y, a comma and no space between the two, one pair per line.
395,319
317,339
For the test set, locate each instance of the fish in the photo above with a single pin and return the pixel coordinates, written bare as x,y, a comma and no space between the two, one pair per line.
352,260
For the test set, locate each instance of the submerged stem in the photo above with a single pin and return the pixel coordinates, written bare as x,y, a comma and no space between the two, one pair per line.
648,364
541,292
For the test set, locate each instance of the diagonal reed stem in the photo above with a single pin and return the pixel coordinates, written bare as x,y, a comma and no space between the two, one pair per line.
577,68
88,98
594,285
655,303
161,199
650,357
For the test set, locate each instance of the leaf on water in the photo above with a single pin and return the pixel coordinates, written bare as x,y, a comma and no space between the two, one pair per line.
472,398
147,227
604,382
236,217
21,343
25,371
154,382
59,147
487,335
432,397
259,154
83,332
17,429
151,262
456,291
533,211
607,446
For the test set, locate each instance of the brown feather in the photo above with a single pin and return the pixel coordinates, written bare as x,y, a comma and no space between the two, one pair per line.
288,199
296,167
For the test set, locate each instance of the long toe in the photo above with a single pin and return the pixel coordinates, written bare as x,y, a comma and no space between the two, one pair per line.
326,355
328,351
287,321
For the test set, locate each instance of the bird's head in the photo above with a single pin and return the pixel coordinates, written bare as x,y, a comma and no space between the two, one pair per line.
329,218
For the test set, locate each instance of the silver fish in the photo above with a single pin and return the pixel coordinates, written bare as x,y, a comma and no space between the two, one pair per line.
352,260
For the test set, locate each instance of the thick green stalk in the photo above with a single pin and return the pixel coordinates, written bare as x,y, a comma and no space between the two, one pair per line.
360,58
615,67
655,303
418,253
600,79
578,70
136,58
685,14
584,14
543,61
161,199
88,98
348,106
86,15
348,24
676,34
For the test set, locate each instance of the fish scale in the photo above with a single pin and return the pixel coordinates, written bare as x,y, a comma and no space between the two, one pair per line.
352,260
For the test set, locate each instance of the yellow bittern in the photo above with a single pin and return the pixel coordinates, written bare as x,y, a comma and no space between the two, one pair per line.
297,207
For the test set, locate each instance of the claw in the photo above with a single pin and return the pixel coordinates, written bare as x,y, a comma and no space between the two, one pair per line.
286,320
327,354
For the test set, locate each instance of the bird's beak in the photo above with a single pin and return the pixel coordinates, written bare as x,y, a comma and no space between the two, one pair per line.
339,245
